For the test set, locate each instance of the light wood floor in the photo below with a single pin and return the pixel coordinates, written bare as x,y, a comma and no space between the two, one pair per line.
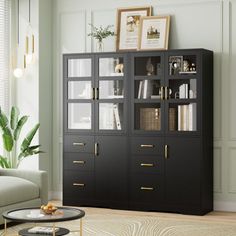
215,216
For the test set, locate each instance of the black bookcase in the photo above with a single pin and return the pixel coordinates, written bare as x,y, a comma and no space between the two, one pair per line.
138,130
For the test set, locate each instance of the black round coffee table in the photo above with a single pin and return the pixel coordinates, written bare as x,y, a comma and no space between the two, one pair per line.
37,216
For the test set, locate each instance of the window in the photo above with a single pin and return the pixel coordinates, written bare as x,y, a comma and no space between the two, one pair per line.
4,54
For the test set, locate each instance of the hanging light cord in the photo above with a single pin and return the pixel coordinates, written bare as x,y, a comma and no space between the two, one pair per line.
29,11
18,31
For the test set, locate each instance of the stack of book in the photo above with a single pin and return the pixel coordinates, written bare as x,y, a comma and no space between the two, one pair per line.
145,89
172,119
42,230
150,119
187,117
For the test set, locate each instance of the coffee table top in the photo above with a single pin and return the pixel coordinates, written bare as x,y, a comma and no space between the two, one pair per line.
34,214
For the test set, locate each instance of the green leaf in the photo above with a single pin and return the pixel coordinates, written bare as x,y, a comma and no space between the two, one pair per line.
7,142
26,142
4,162
3,120
14,117
19,126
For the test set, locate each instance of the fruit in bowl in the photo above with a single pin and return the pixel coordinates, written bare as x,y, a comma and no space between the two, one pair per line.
49,208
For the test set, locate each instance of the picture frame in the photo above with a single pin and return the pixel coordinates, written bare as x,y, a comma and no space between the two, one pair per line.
128,22
175,64
154,33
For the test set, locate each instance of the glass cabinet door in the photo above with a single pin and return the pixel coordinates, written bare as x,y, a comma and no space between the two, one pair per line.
147,92
79,93
111,93
182,86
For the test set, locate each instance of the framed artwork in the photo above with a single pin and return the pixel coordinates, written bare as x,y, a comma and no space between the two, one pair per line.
128,21
154,33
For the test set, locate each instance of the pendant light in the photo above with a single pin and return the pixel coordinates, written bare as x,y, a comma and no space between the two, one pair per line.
18,71
29,34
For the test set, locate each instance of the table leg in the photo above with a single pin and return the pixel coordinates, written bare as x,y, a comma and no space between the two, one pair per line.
5,227
81,228
54,233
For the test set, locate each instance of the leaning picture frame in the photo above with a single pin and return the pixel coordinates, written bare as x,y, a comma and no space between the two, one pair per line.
154,33
128,22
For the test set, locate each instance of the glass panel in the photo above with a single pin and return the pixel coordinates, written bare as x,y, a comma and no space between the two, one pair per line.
183,117
79,90
79,67
111,116
147,116
185,64
111,66
147,66
183,88
79,116
111,89
147,89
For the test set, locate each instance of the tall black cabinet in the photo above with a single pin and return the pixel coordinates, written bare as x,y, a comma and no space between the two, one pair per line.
138,130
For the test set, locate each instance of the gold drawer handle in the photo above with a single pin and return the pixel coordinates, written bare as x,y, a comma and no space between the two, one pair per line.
166,152
147,146
79,162
78,184
147,164
79,144
147,188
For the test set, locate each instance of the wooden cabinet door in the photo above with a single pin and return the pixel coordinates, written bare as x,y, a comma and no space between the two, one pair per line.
183,171
111,170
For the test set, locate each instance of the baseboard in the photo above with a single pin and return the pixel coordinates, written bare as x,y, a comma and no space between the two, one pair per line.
53,195
218,205
224,206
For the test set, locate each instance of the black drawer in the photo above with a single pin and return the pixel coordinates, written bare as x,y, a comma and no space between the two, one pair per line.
146,164
147,145
78,184
74,143
78,161
146,188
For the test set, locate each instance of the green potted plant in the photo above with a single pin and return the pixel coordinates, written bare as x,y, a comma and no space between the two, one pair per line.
100,33
11,129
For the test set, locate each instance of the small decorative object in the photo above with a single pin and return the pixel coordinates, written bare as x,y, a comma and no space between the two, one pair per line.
49,208
119,68
186,65
149,67
154,33
128,21
175,64
193,67
100,34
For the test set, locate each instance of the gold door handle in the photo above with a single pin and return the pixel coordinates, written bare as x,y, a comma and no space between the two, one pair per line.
147,146
96,149
96,93
93,93
166,151
166,93
78,184
79,144
78,162
147,164
162,93
147,188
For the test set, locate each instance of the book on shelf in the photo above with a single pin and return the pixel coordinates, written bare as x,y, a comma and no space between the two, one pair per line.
172,119
117,116
42,230
147,89
140,89
187,117
183,91
150,119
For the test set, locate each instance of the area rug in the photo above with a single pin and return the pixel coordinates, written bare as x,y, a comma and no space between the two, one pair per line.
123,225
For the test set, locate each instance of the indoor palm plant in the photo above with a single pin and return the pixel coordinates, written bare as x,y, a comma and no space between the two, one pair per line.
11,129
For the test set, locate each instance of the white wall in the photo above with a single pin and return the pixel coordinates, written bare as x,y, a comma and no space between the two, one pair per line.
194,24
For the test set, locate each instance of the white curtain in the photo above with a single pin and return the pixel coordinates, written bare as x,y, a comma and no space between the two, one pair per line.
4,54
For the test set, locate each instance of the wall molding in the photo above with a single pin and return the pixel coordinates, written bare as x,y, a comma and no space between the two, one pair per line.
225,206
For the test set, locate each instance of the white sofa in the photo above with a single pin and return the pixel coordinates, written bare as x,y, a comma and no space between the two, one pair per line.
22,188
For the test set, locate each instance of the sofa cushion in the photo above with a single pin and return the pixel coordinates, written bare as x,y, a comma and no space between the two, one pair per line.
15,190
